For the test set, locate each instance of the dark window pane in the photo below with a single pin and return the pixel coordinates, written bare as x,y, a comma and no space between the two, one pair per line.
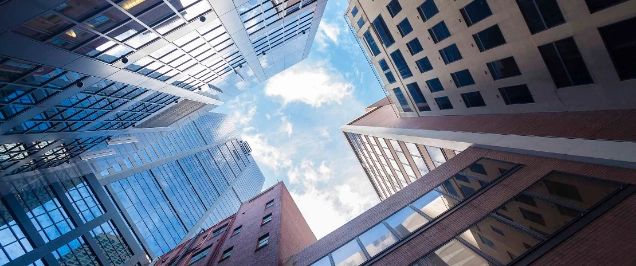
450,54
402,100
475,12
541,14
468,191
487,242
354,11
439,32
424,65
394,7
401,65
568,211
387,71
404,27
598,5
620,41
496,230
434,85
518,94
418,97
478,168
489,38
414,46
427,10
443,103
532,216
360,22
373,47
504,68
463,78
565,63
473,99
563,190
526,200
383,31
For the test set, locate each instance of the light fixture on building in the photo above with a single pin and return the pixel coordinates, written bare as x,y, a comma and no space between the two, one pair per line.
128,4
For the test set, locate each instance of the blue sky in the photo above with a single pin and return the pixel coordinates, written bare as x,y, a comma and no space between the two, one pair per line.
292,122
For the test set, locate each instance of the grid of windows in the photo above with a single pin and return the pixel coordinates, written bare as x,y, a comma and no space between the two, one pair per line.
112,243
46,213
75,252
14,243
416,215
81,196
475,12
443,103
517,227
489,38
565,63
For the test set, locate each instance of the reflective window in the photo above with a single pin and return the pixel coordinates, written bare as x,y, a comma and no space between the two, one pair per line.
417,158
439,32
83,199
565,63
43,26
436,155
46,213
237,230
462,78
404,27
13,242
383,31
199,256
518,94
377,239
269,204
75,252
541,15
354,11
387,71
402,100
450,54
424,65
262,241
394,7
489,38
360,22
400,63
454,253
219,231
349,254
418,97
112,243
267,219
475,12
322,262
434,85
414,46
406,221
504,68
427,10
373,47
473,99
227,253
79,10
621,45
598,5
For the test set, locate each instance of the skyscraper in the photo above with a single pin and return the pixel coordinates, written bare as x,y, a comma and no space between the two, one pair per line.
74,72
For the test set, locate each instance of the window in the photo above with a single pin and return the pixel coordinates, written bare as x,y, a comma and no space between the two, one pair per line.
226,253
519,94
434,85
475,12
373,47
383,31
621,45
473,99
598,5
532,216
462,78
404,27
360,22
487,242
400,63
269,204
424,65
237,230
489,38
377,239
267,219
563,190
418,97
219,231
199,256
354,11
414,46
526,200
443,103
387,71
402,100
540,15
504,68
565,63
568,211
427,10
479,168
450,54
262,241
394,7
348,254
439,32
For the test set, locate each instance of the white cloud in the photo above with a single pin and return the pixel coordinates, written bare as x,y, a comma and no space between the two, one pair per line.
242,110
328,32
313,83
267,154
287,126
268,116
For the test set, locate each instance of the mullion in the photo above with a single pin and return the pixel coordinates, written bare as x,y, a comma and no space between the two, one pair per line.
99,34
517,226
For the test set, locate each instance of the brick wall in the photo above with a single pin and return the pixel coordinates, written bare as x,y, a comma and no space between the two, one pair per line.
534,168
295,233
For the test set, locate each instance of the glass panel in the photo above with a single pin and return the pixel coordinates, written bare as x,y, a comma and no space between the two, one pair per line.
376,239
43,26
72,38
46,213
12,240
574,190
77,9
112,243
114,53
454,253
76,252
434,203
322,262
107,20
348,255
406,221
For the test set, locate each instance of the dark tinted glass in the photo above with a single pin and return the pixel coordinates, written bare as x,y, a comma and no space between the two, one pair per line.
404,27
462,78
394,7
450,54
383,31
443,103
402,100
373,47
489,38
541,14
598,5
400,63
360,22
387,71
439,32
504,68
427,10
354,11
475,12
424,64
518,94
565,63
620,41
434,85
414,46
473,99
418,97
